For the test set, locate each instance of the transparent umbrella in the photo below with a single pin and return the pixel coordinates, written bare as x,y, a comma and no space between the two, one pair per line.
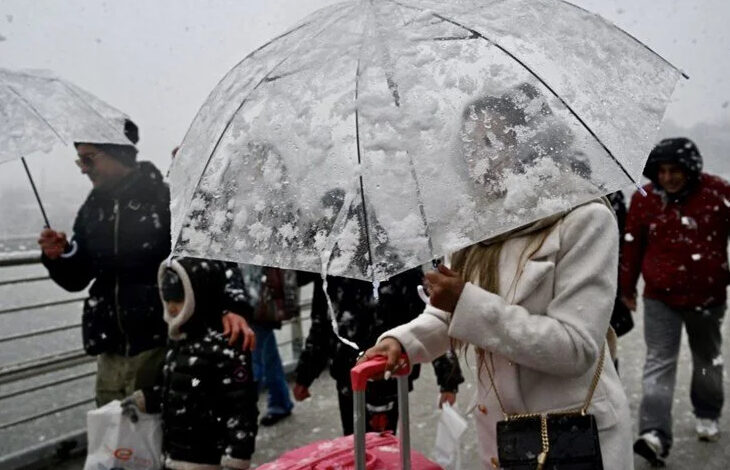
38,111
378,135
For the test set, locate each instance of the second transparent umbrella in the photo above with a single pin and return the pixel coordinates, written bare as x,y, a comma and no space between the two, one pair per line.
39,111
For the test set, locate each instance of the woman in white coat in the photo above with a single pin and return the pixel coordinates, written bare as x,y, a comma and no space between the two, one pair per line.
536,305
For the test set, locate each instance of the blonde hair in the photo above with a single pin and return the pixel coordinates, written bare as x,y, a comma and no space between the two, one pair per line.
479,264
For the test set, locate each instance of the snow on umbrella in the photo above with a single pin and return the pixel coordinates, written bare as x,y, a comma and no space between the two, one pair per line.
378,135
39,111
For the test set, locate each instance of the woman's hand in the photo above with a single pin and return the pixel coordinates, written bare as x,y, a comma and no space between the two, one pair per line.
629,301
444,287
447,397
236,326
300,392
392,350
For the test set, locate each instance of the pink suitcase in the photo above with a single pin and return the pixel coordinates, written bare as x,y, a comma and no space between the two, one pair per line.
372,451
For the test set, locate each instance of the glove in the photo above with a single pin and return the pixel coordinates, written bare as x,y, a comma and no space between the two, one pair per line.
130,410
133,405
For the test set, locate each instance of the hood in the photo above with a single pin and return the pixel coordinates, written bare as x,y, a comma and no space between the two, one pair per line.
203,282
679,150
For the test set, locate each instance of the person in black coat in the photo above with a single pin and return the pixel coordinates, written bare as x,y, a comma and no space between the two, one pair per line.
362,318
120,236
207,393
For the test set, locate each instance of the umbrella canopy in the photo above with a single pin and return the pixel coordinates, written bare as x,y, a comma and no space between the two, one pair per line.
378,135
39,110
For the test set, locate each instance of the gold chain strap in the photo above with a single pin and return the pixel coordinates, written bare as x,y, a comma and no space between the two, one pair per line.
542,458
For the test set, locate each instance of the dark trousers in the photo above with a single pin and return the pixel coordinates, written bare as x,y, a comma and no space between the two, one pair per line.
381,404
663,334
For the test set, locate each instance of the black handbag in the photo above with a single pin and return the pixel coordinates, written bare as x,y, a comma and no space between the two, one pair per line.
564,440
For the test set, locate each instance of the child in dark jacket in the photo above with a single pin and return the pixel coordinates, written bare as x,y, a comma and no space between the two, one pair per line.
207,395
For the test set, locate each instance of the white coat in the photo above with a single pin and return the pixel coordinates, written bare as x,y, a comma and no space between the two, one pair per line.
546,339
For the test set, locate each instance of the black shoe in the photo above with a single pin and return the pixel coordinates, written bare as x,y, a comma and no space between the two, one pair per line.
271,419
649,446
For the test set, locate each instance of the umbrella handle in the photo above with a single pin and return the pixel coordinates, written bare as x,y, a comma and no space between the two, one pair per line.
422,294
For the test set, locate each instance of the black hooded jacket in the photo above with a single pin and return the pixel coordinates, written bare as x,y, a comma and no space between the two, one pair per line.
120,236
207,393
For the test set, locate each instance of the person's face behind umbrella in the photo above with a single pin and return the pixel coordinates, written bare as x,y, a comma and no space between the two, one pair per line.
671,177
510,133
102,170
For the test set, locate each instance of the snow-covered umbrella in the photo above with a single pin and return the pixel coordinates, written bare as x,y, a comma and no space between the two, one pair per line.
39,111
378,135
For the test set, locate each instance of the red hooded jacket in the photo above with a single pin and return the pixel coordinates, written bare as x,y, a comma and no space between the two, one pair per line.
679,245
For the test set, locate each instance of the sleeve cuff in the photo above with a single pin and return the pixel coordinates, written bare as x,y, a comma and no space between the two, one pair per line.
74,248
139,401
408,342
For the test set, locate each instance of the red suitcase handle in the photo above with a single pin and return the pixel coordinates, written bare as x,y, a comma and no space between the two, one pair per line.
361,373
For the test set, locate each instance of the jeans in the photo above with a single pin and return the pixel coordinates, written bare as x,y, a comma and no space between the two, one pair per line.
663,334
268,371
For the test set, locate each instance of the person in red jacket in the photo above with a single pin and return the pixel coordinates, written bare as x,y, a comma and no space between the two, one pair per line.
677,239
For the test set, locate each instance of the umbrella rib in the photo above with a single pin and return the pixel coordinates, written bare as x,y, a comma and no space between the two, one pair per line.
393,86
251,54
539,78
243,102
35,111
223,133
347,203
629,35
359,162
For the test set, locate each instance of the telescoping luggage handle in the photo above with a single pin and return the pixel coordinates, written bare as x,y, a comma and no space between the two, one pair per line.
359,375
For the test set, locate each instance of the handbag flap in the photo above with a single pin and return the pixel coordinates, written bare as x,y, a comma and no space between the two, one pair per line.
573,439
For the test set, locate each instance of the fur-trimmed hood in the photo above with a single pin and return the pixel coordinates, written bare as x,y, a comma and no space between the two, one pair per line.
211,288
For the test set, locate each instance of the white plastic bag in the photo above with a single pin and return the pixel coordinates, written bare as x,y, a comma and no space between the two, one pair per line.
115,442
447,449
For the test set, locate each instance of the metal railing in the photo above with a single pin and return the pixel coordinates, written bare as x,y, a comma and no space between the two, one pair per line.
61,446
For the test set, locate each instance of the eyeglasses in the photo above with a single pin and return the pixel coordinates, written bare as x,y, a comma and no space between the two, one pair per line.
86,160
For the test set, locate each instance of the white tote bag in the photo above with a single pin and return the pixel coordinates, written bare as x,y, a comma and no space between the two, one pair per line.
115,442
